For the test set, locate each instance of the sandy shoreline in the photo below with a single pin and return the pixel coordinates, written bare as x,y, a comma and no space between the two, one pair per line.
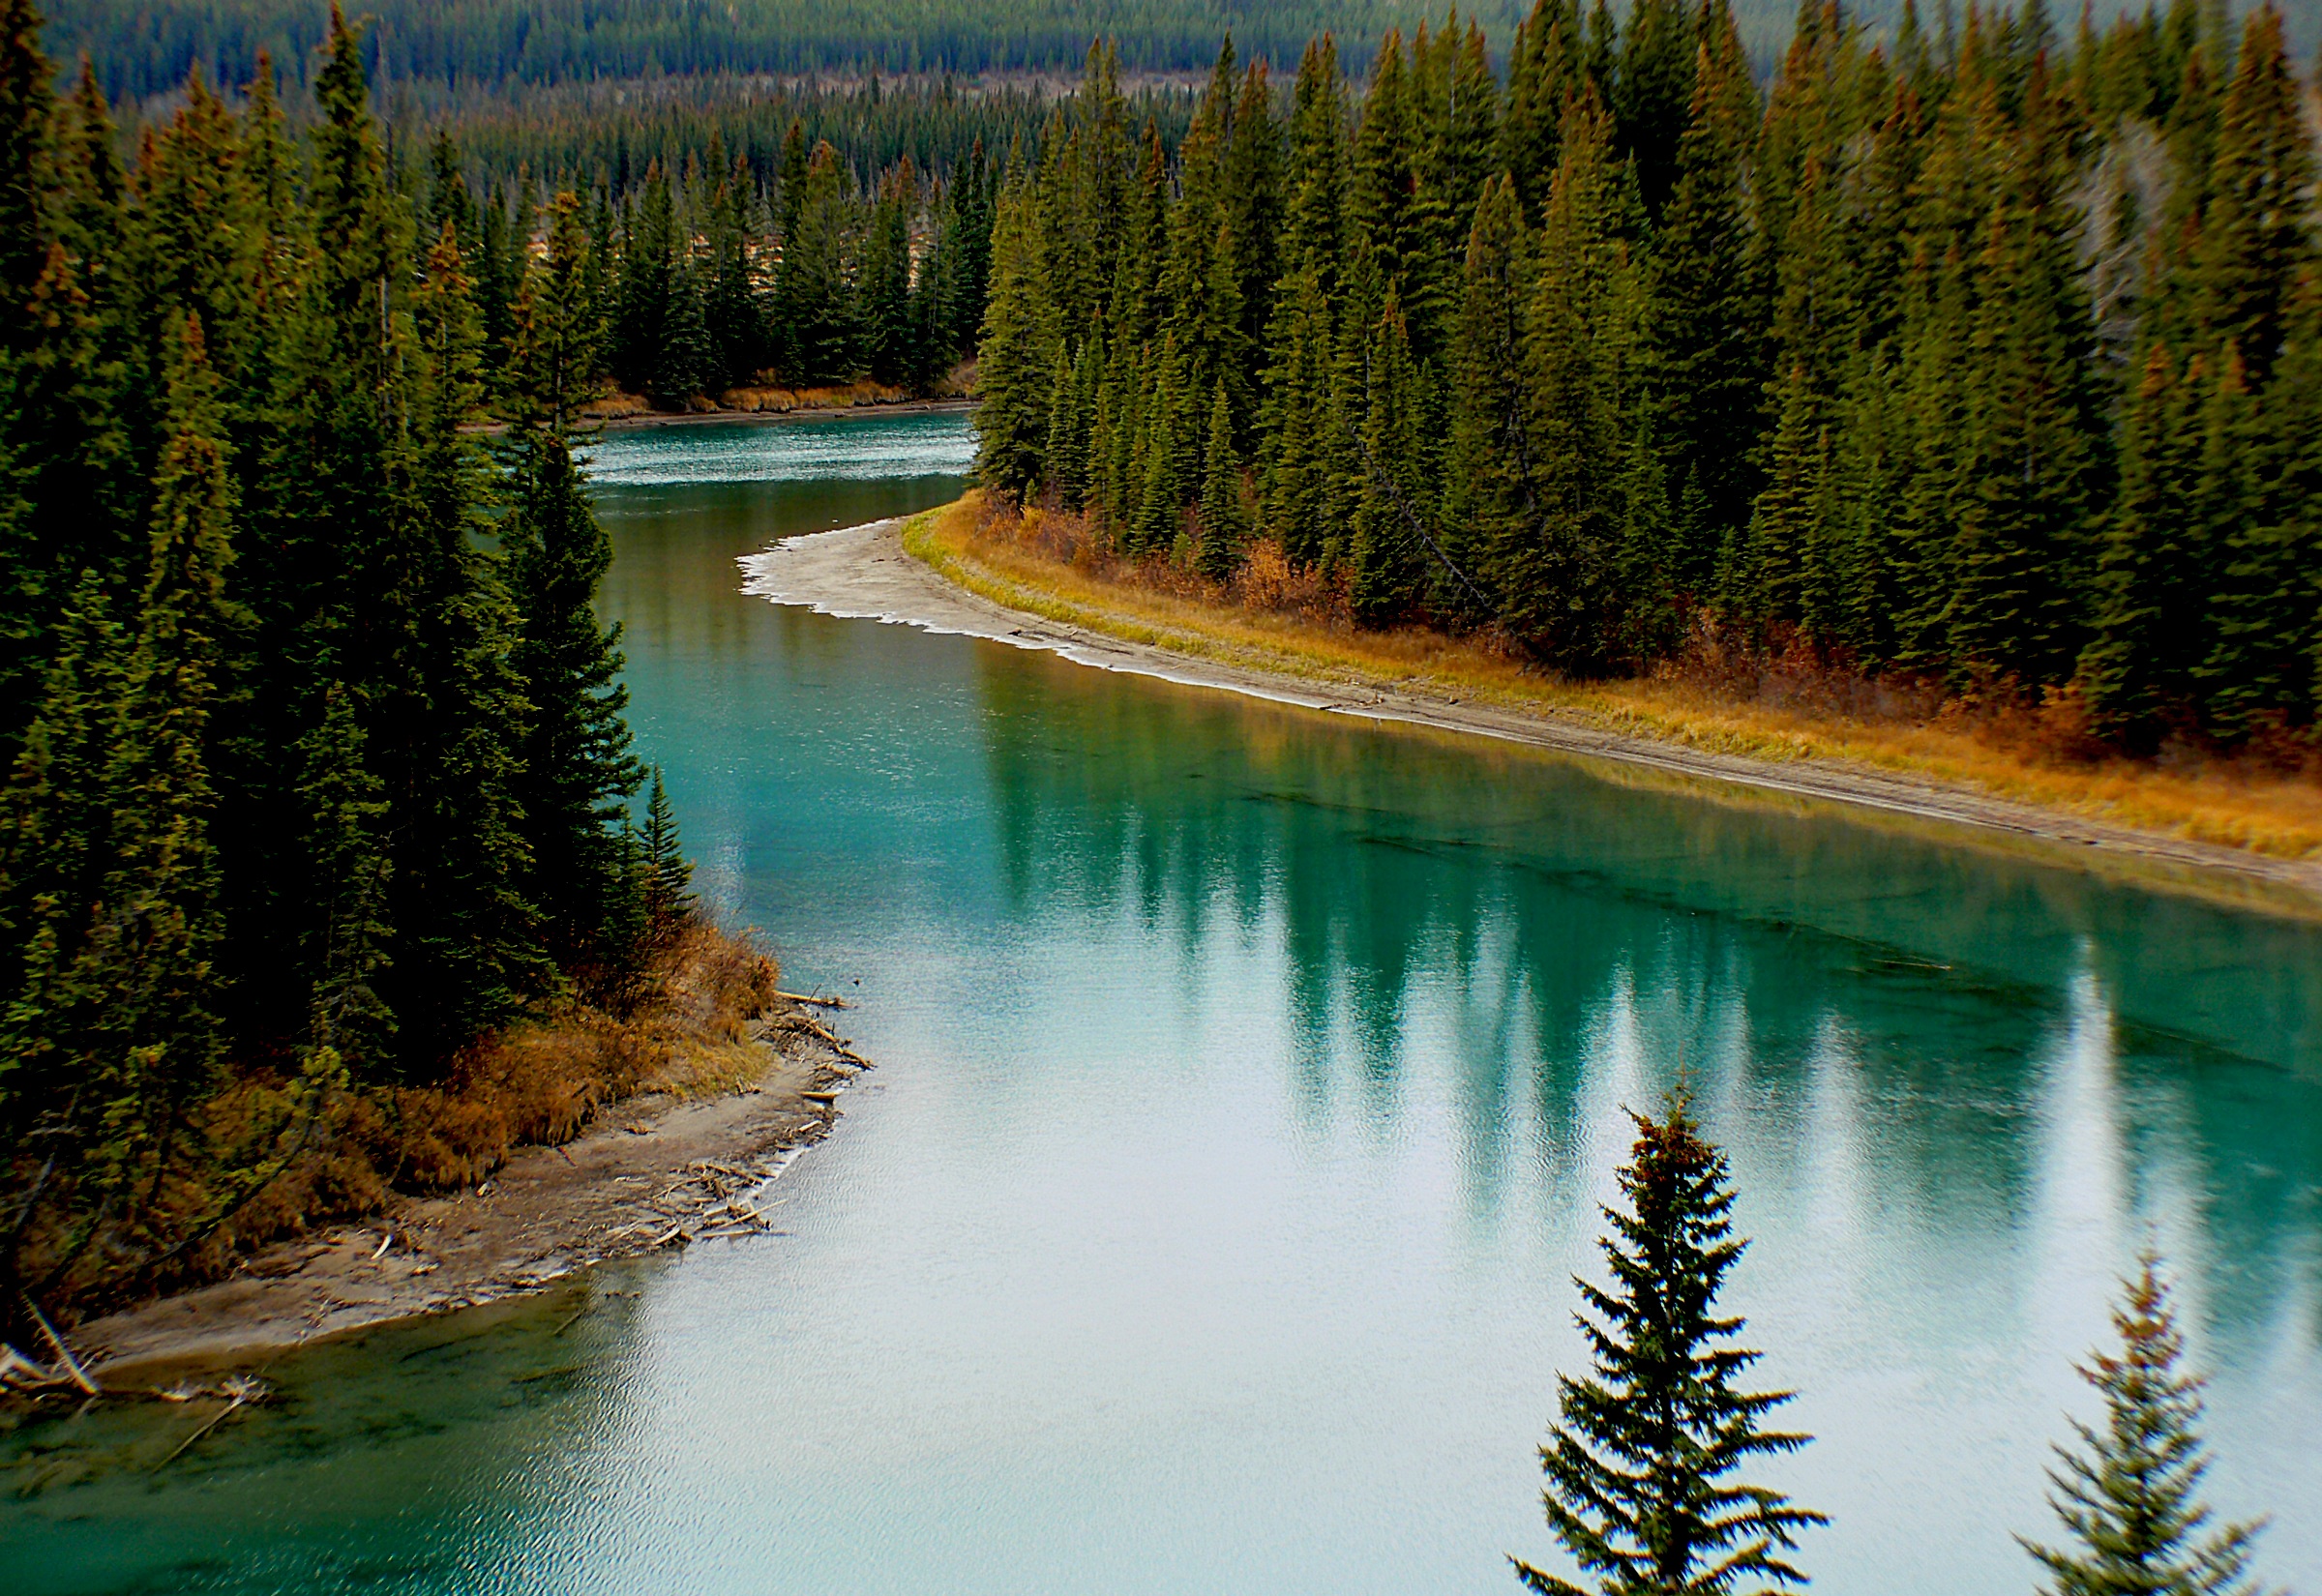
654,1172
864,572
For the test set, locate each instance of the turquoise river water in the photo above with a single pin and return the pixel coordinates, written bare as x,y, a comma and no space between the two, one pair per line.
1247,1082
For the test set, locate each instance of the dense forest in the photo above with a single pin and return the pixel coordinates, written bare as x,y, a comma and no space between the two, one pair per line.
145,48
309,782
150,46
1993,358
707,271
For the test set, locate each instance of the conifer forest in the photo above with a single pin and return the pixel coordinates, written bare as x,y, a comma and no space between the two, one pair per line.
1972,351
1990,354
315,761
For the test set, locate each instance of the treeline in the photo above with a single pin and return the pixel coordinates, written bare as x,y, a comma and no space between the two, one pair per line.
304,787
1986,357
713,274
619,131
145,48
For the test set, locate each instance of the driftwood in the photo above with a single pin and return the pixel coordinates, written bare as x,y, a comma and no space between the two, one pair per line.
239,1390
838,1045
64,1353
818,1002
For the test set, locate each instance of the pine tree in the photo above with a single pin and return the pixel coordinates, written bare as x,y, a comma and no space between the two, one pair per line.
1392,532
888,330
2034,425
1019,356
1640,1470
2140,660
1557,568
2127,1494
668,878
1545,72
733,318
1490,493
1225,528
1297,465
1658,48
814,295
1705,327
574,765
26,112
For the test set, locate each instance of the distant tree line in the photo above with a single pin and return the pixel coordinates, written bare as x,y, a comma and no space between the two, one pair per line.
304,786
145,48
614,132
710,274
1987,357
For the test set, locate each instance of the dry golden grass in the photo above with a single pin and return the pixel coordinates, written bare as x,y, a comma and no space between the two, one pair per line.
538,1082
687,1032
1277,620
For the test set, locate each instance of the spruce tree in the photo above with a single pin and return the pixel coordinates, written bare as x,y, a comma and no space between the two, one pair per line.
666,889
1705,326
1557,566
1391,531
1019,356
2127,1494
1225,528
576,768
1640,1470
1491,496
26,112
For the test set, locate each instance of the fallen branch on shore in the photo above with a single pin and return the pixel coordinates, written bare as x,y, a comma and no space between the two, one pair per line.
822,1002
64,1355
837,1044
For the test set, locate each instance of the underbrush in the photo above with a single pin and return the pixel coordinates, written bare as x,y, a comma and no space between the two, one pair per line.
321,1151
1716,695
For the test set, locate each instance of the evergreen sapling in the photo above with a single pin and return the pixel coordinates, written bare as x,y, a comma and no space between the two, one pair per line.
1641,1489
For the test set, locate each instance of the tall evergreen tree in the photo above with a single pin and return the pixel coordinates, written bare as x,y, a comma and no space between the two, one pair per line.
1641,1489
576,768
2126,1496
1019,354
1225,528
1705,325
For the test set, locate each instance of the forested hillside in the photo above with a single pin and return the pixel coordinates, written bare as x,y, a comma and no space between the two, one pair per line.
1993,360
148,46
306,791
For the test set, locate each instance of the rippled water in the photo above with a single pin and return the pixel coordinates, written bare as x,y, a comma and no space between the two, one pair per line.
1247,1080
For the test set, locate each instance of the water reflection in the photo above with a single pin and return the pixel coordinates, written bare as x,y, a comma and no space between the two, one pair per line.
1249,1078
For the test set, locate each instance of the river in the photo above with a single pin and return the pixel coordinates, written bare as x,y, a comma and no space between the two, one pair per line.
1247,1082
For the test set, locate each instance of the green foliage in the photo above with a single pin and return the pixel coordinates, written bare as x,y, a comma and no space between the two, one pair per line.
1641,1489
304,788
1225,527
1837,367
666,889
2125,1496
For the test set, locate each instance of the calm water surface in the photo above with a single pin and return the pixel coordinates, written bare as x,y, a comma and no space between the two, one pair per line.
1248,1079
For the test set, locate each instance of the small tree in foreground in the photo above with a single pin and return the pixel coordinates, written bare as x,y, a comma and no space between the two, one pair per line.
2126,1497
1640,1488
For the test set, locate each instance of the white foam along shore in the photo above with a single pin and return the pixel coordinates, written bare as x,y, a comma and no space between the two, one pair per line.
864,572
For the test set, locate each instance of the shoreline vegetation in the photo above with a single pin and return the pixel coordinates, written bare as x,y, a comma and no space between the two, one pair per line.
572,1139
1273,622
1944,401
329,877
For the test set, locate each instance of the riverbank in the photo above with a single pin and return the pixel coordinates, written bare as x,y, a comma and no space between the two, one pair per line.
620,411
682,1153
945,571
